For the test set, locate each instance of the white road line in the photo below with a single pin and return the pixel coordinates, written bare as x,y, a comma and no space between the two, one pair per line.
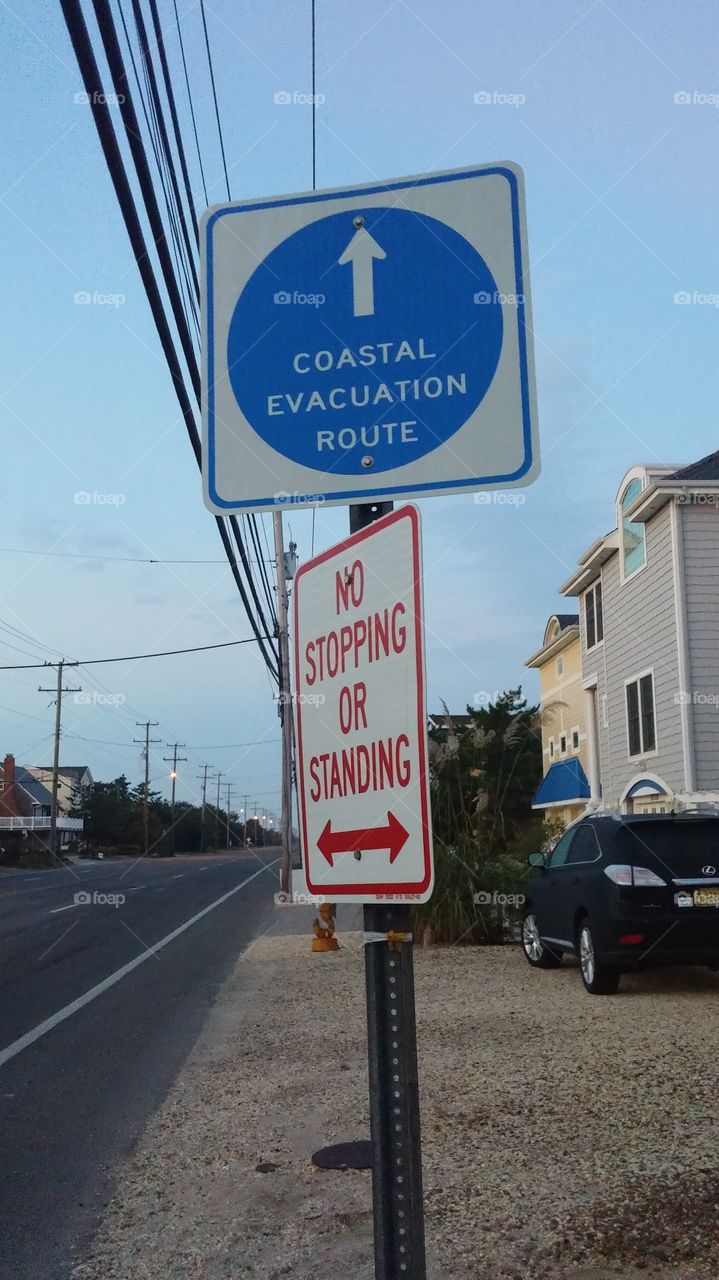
180,876
43,1027
72,907
204,868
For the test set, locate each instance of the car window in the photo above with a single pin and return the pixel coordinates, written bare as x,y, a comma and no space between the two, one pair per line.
559,853
585,846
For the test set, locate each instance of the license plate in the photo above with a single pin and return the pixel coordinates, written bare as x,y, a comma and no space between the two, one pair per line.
706,897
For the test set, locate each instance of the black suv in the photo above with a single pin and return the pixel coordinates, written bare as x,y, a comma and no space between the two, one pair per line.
625,891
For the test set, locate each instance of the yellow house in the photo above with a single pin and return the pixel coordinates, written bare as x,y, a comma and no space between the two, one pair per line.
564,790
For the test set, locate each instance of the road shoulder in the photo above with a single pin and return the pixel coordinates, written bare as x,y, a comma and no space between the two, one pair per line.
222,1184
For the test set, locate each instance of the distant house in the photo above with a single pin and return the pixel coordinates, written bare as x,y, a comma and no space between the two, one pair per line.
440,721
649,631
22,795
564,790
26,803
68,776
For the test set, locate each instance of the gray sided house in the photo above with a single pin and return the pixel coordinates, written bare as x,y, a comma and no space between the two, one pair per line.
649,624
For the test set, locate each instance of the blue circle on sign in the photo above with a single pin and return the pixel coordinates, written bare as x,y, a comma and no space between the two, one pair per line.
371,334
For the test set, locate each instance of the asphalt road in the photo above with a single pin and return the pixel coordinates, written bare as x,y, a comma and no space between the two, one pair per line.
100,1002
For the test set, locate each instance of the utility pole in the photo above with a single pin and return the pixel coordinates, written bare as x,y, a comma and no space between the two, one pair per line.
58,691
173,759
227,816
203,815
285,573
146,725
217,814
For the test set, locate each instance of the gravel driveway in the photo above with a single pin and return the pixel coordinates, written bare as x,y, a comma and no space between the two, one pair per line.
566,1137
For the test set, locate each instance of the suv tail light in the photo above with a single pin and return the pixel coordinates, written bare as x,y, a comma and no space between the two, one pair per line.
639,877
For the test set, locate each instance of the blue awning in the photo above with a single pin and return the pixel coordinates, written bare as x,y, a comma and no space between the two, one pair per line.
565,782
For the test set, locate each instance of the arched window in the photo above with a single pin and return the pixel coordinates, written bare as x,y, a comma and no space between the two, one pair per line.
634,552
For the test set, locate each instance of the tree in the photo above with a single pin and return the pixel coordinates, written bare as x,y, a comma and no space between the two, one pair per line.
484,773
159,836
482,777
106,809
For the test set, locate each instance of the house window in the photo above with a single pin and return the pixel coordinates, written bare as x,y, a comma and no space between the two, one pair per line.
634,551
563,745
560,666
640,715
551,748
593,616
575,739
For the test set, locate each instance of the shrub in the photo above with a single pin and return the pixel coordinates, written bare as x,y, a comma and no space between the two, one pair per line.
476,900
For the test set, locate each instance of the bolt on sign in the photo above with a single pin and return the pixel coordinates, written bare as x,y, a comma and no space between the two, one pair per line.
362,739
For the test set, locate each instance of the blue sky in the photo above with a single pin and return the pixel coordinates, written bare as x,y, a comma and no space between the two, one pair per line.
622,191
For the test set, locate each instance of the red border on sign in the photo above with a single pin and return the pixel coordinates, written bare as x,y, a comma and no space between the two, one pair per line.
375,890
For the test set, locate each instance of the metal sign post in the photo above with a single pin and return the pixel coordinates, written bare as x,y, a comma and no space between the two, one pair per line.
393,1082
394,1097
364,812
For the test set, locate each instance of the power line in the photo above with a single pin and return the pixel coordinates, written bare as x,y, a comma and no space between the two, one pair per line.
222,746
87,63
214,97
164,139
149,110
131,657
189,98
160,42
93,555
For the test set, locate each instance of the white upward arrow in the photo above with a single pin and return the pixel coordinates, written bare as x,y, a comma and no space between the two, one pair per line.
360,251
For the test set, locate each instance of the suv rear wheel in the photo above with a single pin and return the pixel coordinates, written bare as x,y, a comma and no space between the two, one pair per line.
537,952
598,978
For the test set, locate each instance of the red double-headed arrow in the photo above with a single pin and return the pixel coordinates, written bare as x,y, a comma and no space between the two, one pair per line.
392,837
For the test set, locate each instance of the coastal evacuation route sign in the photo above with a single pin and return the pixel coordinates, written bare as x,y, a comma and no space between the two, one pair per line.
368,343
361,722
